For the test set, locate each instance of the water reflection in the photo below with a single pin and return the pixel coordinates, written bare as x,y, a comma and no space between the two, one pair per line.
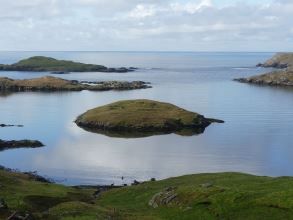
256,138
140,134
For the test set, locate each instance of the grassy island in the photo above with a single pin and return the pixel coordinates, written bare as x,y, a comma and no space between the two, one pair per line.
142,117
48,64
49,83
202,196
283,77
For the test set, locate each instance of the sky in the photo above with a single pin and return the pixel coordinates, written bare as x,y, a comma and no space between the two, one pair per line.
146,25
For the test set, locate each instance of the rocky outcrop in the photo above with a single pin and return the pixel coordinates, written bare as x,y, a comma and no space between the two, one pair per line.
276,78
48,64
49,83
145,117
4,145
280,60
282,77
163,198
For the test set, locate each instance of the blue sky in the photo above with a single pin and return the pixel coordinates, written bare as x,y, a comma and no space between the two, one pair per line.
163,25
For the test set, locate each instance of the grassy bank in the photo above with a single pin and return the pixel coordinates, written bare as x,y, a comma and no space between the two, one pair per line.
202,196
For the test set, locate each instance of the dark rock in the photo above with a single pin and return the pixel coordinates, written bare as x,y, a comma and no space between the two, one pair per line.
4,125
59,72
3,204
19,144
135,182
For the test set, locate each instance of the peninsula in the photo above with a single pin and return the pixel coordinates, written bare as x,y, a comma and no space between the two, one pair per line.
283,77
49,83
48,64
145,117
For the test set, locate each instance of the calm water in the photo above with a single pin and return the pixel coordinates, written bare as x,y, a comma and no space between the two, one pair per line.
256,138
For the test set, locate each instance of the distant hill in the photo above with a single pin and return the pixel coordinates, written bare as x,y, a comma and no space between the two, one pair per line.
48,64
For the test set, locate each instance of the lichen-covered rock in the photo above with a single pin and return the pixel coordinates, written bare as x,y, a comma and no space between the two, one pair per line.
163,198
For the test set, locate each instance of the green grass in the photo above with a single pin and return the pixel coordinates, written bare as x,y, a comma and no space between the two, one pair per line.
41,63
142,116
231,196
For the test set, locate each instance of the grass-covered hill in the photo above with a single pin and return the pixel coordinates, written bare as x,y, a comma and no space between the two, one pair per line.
48,64
142,116
220,196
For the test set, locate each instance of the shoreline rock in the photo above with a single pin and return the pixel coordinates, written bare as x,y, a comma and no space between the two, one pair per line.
283,77
279,61
12,144
48,64
276,78
141,118
5,125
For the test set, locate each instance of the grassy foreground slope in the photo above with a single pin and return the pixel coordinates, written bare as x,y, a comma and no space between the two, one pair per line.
203,196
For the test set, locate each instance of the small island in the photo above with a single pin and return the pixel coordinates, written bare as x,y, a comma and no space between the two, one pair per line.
283,77
136,118
4,145
48,64
49,83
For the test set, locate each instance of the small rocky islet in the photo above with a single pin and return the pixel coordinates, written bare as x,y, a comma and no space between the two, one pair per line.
281,77
49,64
12,144
138,118
50,83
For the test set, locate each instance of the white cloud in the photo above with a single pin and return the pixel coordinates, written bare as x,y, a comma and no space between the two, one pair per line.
145,25
191,7
142,11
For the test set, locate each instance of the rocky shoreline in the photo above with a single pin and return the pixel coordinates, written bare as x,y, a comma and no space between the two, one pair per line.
50,83
283,77
48,64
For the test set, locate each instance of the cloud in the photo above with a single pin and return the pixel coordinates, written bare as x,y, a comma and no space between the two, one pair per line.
145,25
